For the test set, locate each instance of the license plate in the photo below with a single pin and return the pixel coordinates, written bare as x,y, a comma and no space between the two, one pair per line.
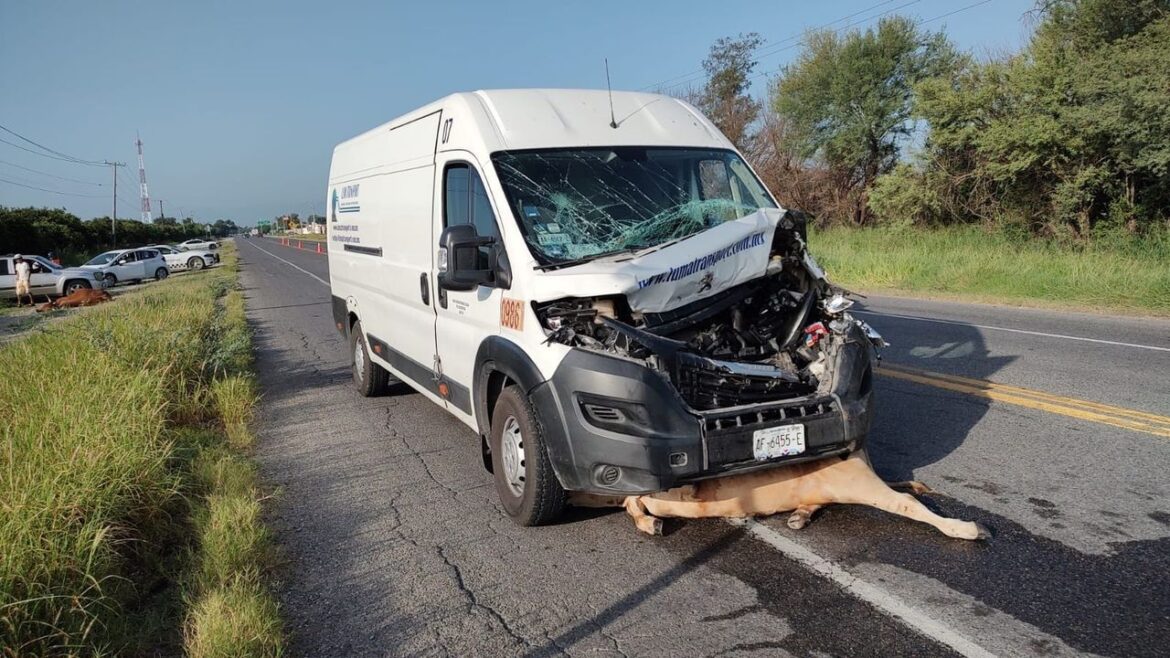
783,441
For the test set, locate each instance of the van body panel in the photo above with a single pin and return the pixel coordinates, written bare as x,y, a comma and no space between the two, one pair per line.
380,215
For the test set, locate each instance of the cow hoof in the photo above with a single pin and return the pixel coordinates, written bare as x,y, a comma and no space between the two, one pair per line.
797,520
984,533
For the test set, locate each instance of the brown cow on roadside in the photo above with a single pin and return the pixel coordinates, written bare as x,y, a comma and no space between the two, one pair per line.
800,488
83,297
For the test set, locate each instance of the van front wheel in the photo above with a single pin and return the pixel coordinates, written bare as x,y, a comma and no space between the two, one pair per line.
369,377
525,482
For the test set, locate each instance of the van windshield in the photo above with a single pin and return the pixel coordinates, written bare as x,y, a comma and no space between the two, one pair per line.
579,204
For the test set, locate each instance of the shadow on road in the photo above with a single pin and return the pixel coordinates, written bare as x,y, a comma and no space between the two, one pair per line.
916,425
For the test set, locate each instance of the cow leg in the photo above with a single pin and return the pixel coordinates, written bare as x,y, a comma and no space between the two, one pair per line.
644,521
902,504
802,515
863,487
914,486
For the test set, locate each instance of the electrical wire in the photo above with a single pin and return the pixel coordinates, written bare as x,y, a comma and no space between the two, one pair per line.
662,84
60,155
45,173
916,23
45,189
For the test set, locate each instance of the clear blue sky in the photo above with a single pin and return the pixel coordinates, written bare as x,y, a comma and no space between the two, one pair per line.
239,103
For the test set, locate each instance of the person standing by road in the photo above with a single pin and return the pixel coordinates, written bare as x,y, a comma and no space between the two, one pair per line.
23,273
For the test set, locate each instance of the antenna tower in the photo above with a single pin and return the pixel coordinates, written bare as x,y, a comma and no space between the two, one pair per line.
142,183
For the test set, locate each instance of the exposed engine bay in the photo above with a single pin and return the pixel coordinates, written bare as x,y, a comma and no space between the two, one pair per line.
764,340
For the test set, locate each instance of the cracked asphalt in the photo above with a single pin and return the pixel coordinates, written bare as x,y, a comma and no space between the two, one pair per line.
393,541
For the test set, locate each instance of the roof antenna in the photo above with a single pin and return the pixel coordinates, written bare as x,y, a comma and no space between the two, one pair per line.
612,121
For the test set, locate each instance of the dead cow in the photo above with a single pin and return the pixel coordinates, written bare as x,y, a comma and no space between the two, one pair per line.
801,489
83,297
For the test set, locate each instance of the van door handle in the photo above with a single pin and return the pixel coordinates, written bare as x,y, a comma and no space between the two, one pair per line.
424,289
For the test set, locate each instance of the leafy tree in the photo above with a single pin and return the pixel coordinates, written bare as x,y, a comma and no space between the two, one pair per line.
1072,134
724,97
41,230
847,99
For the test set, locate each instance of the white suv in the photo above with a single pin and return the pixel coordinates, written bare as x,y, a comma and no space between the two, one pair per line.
123,265
47,278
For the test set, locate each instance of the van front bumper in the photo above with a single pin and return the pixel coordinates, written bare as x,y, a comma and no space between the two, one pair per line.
612,425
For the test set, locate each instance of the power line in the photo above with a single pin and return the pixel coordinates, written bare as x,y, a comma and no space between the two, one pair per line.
918,22
45,173
43,155
659,85
45,189
59,154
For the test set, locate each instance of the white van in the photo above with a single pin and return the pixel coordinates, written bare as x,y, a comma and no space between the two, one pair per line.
602,289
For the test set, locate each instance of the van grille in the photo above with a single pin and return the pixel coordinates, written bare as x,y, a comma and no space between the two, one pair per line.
769,414
705,389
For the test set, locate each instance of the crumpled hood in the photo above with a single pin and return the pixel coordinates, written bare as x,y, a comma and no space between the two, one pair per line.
698,267
79,271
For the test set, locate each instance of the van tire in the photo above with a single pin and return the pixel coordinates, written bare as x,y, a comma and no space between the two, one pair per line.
542,499
369,378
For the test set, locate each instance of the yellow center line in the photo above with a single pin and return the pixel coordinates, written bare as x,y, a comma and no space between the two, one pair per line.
1041,395
1138,421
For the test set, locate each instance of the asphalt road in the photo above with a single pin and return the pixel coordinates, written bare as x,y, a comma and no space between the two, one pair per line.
395,544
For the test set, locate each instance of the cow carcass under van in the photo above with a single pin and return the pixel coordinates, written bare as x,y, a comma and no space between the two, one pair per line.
600,287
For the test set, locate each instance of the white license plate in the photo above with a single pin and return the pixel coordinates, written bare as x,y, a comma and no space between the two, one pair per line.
783,441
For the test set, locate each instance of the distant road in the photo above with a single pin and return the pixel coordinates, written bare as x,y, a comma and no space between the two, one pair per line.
1045,426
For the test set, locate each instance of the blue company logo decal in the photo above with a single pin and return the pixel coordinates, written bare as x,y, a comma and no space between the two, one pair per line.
345,200
704,262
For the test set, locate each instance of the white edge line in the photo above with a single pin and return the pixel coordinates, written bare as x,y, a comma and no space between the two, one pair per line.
1017,331
871,594
292,264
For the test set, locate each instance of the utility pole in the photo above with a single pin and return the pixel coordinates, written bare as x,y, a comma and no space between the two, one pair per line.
114,217
161,214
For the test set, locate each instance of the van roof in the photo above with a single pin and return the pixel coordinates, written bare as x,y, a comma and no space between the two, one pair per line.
513,119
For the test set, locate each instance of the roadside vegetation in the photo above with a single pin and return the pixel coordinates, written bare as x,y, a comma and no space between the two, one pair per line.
44,230
1037,175
972,263
130,520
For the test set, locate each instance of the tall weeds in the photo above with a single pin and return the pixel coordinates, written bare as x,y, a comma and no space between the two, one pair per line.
108,430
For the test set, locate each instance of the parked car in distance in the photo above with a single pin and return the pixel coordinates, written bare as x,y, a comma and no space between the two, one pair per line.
123,265
47,278
196,243
190,259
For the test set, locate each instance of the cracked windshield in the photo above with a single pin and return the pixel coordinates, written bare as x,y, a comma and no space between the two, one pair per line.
581,204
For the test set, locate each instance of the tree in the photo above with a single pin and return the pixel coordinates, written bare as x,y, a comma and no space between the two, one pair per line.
724,97
847,99
1071,135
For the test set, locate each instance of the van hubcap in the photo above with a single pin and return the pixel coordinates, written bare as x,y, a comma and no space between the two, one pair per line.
512,449
359,361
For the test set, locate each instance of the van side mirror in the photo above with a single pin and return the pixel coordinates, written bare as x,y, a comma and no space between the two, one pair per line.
458,259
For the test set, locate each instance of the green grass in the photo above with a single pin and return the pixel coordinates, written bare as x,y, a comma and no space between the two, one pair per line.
129,512
1131,276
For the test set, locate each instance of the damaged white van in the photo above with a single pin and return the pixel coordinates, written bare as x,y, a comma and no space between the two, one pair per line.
601,288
